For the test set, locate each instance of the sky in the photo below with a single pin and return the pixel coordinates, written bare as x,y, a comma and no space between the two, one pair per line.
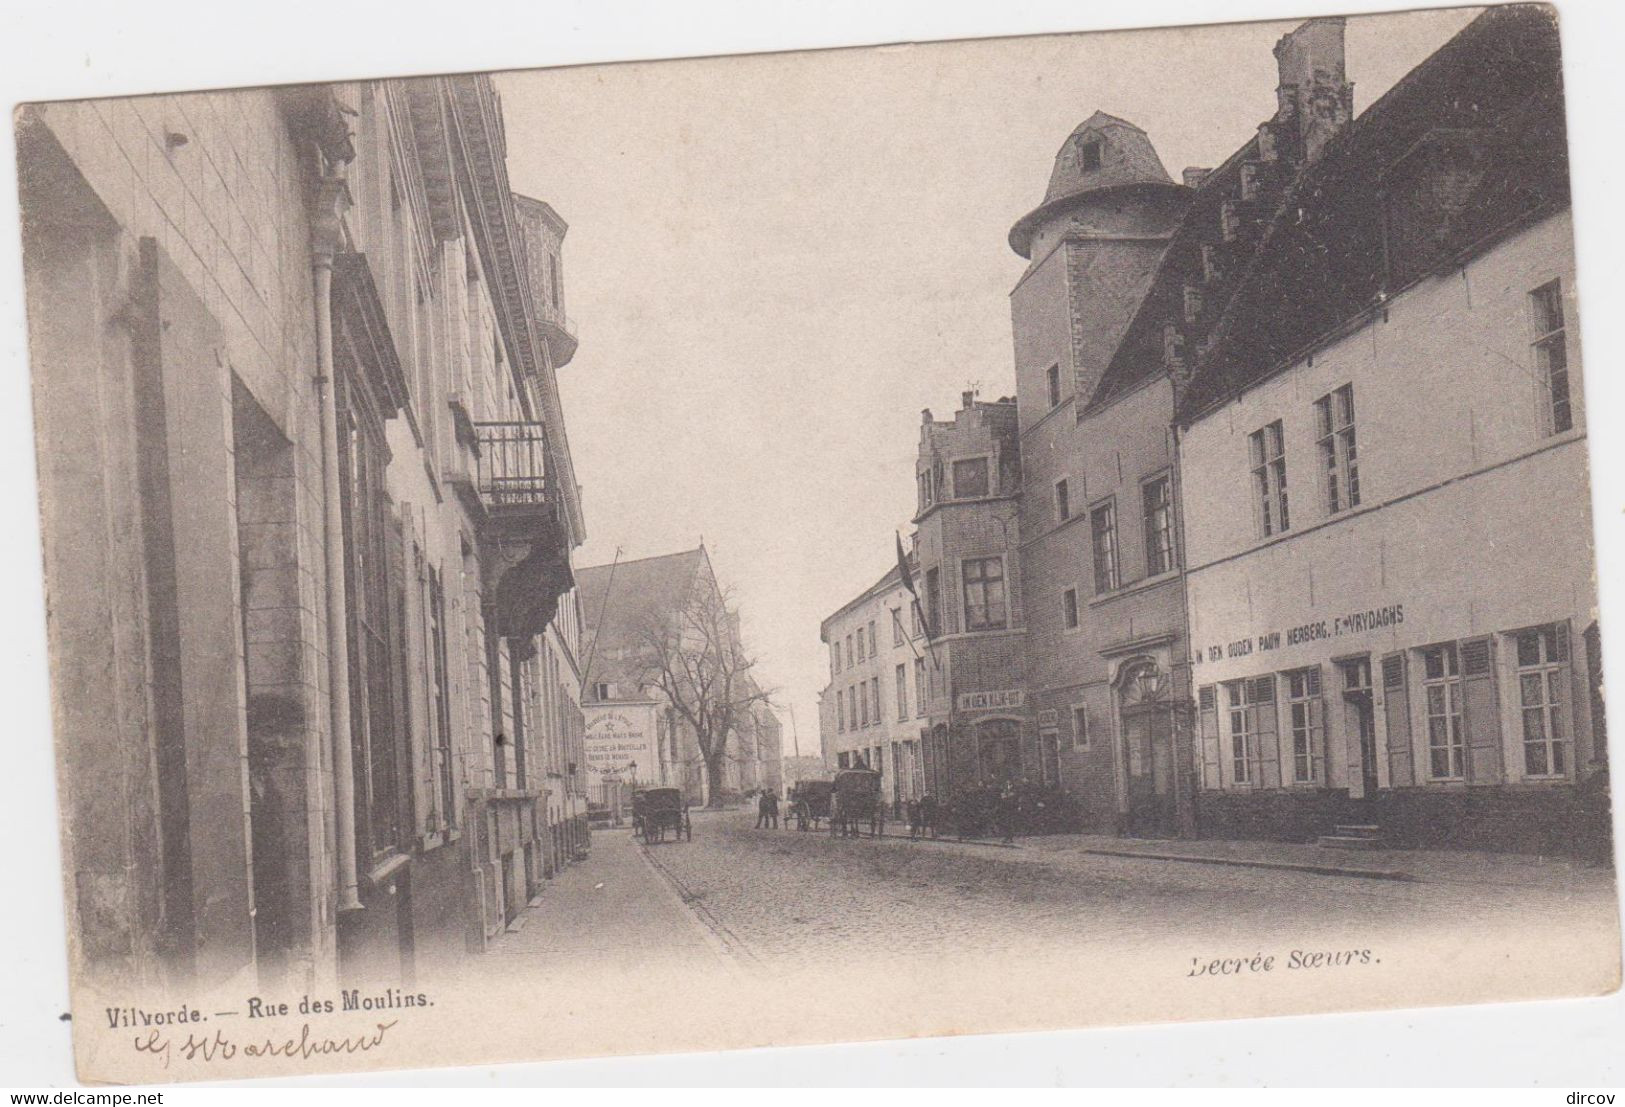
775,262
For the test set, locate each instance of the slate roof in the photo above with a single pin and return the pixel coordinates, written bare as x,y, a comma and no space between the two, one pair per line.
642,589
1491,101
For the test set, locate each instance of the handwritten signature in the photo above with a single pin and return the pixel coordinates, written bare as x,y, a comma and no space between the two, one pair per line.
220,1047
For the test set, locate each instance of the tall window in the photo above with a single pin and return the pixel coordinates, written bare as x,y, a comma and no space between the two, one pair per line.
440,700
1334,427
970,478
919,686
1052,385
1069,609
926,497
1089,155
896,626
1103,535
1441,690
1246,701
862,692
915,628
1552,354
874,649
1268,448
874,699
367,595
1306,715
1159,525
933,601
834,657
902,693
850,657
984,593
840,711
1080,727
1543,655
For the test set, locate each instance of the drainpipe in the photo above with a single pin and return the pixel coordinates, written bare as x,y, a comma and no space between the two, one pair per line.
332,200
1189,792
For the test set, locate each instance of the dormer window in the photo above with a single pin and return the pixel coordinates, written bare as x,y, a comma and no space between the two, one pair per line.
1249,181
1089,154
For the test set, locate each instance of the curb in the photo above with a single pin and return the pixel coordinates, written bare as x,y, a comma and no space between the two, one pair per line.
946,840
730,949
1243,863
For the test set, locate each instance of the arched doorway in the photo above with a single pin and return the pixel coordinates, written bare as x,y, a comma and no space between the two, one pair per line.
1145,713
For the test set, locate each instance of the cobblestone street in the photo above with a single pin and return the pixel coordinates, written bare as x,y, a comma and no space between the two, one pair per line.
785,898
774,937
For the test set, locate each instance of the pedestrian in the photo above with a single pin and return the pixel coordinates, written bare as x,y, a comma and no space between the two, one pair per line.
761,809
1005,811
772,801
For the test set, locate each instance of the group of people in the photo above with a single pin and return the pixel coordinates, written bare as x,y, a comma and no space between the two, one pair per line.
767,809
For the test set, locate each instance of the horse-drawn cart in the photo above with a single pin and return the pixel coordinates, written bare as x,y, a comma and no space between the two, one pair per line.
857,804
809,803
657,810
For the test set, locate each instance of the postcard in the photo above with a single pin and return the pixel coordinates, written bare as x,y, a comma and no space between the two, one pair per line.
996,535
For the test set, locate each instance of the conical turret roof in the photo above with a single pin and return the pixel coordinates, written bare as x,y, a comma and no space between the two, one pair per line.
1101,152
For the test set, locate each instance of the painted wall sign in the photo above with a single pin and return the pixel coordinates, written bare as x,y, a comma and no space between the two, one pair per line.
1008,699
614,739
1337,626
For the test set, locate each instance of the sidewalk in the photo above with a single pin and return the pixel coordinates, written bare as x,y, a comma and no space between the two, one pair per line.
1424,866
612,911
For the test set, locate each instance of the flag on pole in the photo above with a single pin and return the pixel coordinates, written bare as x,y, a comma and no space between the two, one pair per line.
907,578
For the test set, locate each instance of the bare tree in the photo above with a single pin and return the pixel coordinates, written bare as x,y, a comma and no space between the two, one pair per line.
695,658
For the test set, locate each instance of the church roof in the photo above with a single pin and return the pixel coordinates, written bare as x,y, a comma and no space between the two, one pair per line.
617,601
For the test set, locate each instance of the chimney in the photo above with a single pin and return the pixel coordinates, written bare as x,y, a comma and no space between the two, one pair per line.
925,416
968,399
1194,176
1314,99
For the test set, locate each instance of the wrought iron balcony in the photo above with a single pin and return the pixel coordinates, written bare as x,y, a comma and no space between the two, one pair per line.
512,464
524,547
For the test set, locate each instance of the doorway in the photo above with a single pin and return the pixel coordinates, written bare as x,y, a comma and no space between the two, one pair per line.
1148,765
999,752
1360,720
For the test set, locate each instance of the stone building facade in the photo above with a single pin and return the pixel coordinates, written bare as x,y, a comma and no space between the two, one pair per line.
967,545
1411,653
1225,616
877,688
308,512
1105,607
